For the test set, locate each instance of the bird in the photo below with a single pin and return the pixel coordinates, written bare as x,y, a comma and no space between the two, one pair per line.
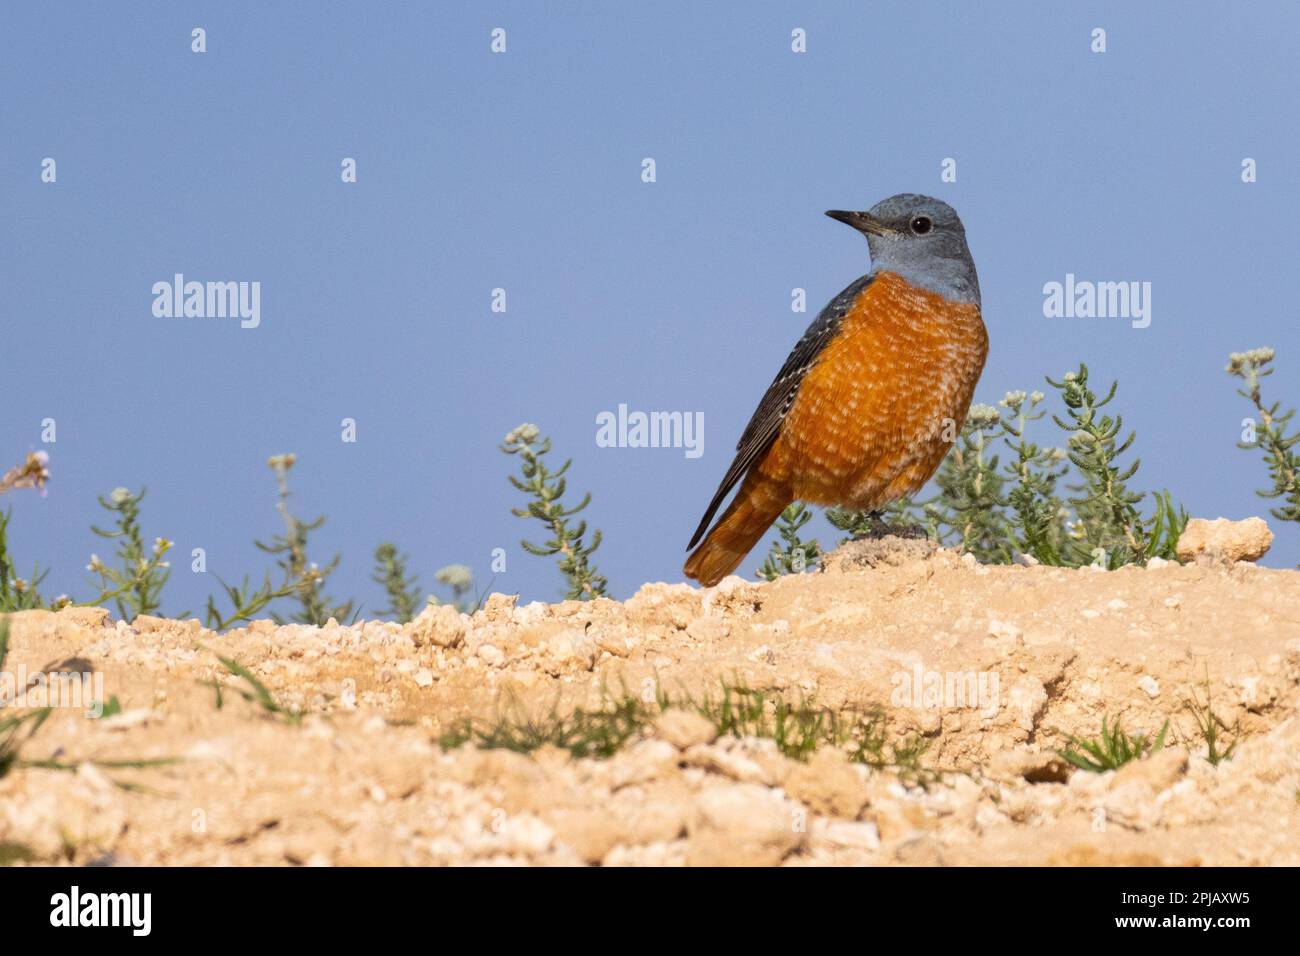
872,396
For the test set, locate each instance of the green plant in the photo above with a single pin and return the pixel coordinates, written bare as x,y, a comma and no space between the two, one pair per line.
400,586
1110,531
245,601
1271,433
1166,526
546,488
797,729
790,555
135,587
15,731
1112,749
1038,515
1210,725
306,579
856,524
599,732
16,594
970,502
256,692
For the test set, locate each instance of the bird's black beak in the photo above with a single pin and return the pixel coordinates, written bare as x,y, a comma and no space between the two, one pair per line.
863,222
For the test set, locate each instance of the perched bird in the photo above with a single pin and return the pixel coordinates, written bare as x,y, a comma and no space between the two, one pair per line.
873,395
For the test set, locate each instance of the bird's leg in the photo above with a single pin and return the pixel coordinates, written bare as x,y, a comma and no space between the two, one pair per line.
877,526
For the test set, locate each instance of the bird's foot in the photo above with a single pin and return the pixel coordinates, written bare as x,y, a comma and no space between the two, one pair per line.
879,527
912,532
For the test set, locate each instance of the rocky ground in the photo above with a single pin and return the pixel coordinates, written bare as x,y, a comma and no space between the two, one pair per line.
989,665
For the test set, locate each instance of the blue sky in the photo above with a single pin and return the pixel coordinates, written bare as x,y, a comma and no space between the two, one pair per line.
522,171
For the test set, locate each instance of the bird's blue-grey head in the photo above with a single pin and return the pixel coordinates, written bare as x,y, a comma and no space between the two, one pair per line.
921,239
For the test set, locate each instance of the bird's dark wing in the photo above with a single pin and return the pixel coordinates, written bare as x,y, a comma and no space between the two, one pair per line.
766,422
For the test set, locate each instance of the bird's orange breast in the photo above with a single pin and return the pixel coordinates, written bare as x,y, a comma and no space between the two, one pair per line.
878,411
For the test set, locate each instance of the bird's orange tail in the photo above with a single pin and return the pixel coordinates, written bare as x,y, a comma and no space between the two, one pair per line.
758,503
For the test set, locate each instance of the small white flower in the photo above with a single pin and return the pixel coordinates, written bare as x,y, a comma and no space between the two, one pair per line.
525,434
455,576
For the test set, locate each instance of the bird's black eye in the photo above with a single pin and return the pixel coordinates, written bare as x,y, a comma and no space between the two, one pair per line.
921,225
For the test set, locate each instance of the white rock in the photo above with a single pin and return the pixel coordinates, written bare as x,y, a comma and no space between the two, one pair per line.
439,624
854,835
1223,539
573,645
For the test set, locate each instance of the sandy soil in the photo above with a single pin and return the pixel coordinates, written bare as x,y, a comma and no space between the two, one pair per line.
361,779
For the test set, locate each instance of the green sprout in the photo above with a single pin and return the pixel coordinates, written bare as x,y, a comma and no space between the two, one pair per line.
135,587
1110,532
971,502
16,593
1211,726
245,601
1038,525
1112,749
400,586
547,488
736,711
304,576
790,555
256,692
1271,436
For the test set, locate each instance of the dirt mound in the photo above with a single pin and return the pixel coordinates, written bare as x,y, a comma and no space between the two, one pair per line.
986,668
